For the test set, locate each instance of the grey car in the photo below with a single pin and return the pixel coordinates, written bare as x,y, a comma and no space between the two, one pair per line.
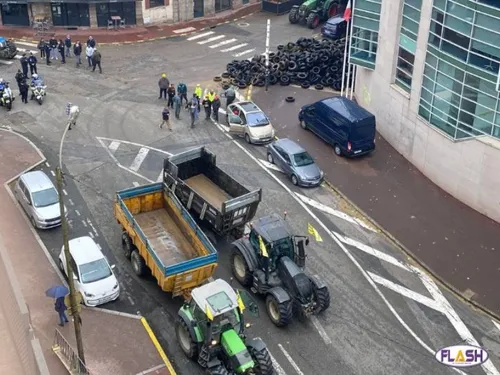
295,162
38,197
247,120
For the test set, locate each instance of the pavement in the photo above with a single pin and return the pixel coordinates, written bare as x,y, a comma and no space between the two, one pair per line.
114,343
456,243
134,34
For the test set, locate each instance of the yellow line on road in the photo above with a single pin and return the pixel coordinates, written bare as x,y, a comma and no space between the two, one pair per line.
158,346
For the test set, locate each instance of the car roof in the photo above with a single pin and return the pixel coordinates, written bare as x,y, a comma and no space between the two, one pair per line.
249,107
347,108
289,146
202,293
272,228
335,20
37,181
84,250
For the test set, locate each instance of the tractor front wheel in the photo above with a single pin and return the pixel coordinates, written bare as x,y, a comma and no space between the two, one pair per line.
263,362
322,299
240,268
312,20
280,313
293,16
186,342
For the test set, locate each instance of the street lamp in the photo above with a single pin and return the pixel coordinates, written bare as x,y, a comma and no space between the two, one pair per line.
268,34
73,112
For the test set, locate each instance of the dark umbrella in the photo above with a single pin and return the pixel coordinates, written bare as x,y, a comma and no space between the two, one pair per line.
57,291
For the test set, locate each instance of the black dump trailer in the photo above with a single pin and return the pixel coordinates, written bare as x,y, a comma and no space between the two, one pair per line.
218,202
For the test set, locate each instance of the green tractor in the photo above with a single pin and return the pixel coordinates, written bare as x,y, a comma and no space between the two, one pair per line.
313,12
210,329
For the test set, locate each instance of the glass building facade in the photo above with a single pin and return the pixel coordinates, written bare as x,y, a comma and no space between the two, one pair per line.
364,40
459,93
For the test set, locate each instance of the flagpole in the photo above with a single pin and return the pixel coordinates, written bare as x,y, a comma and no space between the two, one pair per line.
345,60
353,5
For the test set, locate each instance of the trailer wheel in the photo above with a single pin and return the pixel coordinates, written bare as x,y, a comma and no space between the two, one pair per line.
240,268
127,245
280,313
138,263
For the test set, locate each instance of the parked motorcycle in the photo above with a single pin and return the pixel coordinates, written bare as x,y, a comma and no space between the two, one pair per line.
38,93
6,98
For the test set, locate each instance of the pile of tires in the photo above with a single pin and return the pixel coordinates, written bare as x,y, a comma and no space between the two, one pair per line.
307,63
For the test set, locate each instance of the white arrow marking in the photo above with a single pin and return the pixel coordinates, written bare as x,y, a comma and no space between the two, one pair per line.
211,39
201,35
113,146
224,42
290,359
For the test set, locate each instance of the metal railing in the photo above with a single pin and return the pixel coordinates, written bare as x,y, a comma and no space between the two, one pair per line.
68,356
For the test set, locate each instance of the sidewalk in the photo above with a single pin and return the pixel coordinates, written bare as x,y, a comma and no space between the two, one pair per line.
457,244
113,344
132,34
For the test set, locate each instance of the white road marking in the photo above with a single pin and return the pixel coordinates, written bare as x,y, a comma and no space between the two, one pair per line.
160,177
290,359
47,164
185,30
71,202
84,223
321,330
270,166
496,324
65,192
247,229
244,52
224,42
131,300
141,155
91,235
77,213
98,246
429,302
53,173
93,228
6,62
27,44
24,50
340,244
201,35
113,146
100,139
277,367
212,39
370,250
331,211
135,183
234,47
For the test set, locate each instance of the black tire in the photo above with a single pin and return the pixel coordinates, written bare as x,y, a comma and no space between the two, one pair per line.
263,361
279,313
247,139
138,263
40,101
217,370
312,20
337,149
240,269
270,158
294,179
33,222
293,16
225,75
305,85
322,299
289,99
303,125
319,87
127,245
61,267
333,10
217,78
182,332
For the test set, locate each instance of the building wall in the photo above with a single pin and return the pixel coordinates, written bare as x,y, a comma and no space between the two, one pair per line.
467,169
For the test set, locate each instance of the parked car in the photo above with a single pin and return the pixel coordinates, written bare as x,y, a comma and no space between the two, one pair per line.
335,28
249,121
94,277
38,196
295,162
349,128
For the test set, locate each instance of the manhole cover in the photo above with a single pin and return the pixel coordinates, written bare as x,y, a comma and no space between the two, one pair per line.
243,24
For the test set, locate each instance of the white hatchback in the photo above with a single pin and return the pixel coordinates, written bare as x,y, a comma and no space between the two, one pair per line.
94,277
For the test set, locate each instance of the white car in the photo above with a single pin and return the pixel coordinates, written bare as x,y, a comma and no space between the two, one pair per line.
247,120
94,277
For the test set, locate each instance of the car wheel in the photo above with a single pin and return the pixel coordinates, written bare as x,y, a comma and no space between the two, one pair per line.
247,138
337,150
303,125
270,158
33,222
61,266
295,180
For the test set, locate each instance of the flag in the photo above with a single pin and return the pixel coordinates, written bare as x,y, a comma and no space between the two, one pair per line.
347,11
208,313
241,305
314,232
263,250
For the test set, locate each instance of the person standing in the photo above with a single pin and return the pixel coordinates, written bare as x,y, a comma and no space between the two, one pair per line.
194,109
32,61
182,92
171,94
47,54
19,78
96,60
61,308
163,84
24,64
206,106
91,42
177,106
230,95
165,115
53,48
89,51
77,51
215,108
23,89
41,47
67,44
61,49
198,91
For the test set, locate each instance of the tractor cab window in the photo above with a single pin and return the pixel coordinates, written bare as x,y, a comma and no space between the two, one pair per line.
198,314
228,319
283,247
254,240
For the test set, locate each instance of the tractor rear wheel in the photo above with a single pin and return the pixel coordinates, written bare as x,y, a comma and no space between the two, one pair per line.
293,16
322,299
263,362
333,9
280,313
240,268
217,370
186,342
312,20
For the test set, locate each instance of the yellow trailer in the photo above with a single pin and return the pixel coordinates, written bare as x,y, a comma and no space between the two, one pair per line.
160,234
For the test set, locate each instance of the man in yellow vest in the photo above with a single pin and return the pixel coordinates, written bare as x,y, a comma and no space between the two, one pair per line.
198,91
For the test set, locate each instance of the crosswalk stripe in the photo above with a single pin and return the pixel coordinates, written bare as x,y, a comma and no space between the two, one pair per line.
201,35
26,50
6,62
27,44
223,43
141,155
234,47
113,146
212,39
244,52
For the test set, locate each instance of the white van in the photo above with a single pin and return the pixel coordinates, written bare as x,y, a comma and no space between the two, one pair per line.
94,277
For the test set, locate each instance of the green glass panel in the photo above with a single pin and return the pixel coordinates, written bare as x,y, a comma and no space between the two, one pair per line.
362,62
487,21
488,36
407,44
366,23
368,5
411,13
414,3
410,25
494,12
457,24
440,4
426,95
485,49
368,15
431,60
424,112
459,11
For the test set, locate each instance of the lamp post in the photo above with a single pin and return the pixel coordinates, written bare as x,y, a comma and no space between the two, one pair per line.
268,33
67,255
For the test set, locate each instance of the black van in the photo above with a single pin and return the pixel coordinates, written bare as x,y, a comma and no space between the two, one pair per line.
349,128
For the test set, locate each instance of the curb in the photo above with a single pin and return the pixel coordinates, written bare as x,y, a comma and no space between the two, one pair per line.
158,346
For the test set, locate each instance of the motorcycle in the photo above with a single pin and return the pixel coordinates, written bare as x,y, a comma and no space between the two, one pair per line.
38,93
6,99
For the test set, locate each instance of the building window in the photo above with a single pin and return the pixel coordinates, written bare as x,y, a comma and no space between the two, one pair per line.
156,3
404,69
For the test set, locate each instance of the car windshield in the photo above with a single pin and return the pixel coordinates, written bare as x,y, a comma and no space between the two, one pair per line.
95,271
257,119
302,159
44,198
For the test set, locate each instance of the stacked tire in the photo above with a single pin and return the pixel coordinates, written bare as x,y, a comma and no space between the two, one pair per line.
307,63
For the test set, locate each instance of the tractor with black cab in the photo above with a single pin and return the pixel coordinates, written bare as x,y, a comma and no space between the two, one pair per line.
271,261
313,12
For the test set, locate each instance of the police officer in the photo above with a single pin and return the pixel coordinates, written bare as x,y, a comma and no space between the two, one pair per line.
32,61
23,88
24,64
19,78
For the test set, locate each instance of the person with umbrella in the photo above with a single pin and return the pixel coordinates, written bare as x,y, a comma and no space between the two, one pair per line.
59,292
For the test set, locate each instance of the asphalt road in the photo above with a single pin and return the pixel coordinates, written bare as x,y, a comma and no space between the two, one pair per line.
369,328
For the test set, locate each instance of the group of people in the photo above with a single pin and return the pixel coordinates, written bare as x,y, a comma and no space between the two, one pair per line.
55,49
22,84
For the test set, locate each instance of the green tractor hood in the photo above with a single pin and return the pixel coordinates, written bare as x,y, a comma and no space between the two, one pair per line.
237,352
